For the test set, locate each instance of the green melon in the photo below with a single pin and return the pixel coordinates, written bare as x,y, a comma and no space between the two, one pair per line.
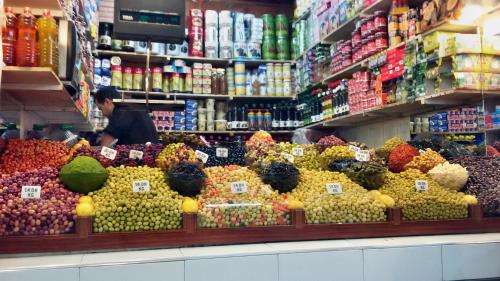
83,175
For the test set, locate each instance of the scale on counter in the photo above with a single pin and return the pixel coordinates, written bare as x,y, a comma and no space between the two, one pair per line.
150,20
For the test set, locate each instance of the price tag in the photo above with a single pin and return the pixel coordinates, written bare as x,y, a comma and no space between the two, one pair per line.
422,185
239,187
140,186
108,153
334,188
222,152
201,155
298,151
288,157
135,154
363,155
31,192
354,148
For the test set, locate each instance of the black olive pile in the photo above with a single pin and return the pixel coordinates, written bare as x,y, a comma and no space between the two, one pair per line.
235,155
282,176
484,181
368,175
187,179
340,165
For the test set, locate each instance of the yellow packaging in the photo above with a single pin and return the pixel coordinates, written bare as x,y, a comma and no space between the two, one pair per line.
491,45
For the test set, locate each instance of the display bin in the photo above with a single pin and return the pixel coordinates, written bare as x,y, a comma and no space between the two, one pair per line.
191,235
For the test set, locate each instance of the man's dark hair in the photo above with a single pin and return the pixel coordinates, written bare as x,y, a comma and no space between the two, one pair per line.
106,93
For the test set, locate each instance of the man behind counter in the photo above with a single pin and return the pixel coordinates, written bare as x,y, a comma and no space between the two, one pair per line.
129,124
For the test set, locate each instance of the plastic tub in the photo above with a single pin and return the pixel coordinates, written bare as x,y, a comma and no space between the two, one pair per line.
220,125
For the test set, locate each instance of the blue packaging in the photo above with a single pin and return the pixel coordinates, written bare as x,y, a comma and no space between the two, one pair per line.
179,127
179,120
192,112
441,115
179,114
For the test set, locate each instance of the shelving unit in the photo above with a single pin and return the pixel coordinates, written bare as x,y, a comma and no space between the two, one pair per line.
36,95
161,96
283,132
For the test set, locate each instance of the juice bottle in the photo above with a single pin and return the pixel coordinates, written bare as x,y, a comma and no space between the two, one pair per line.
26,53
47,41
9,37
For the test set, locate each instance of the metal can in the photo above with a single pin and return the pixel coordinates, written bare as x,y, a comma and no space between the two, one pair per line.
278,73
269,27
176,83
156,85
188,83
287,71
166,83
269,48
282,48
137,80
270,71
281,25
116,76
127,78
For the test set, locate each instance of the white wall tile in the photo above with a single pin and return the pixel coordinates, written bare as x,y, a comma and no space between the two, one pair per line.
403,264
160,271
322,266
473,261
62,274
249,268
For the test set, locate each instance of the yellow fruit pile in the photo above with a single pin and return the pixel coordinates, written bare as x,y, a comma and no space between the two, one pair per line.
355,204
436,203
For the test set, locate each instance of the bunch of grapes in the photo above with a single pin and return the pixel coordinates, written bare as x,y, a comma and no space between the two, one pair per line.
53,213
255,205
24,155
235,155
119,208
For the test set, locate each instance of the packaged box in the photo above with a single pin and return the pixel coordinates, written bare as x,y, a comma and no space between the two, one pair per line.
460,44
491,81
179,114
434,40
206,89
491,45
468,80
197,89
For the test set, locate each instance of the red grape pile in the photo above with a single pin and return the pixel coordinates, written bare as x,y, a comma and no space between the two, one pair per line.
25,155
53,213
150,152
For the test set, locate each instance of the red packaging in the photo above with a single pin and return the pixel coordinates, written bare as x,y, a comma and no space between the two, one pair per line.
370,25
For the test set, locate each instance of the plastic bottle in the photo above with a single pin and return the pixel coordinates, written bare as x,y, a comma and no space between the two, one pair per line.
9,37
36,133
47,41
26,52
11,133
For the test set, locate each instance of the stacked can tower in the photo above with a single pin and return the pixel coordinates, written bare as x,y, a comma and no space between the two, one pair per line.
211,34
282,38
269,42
195,35
225,35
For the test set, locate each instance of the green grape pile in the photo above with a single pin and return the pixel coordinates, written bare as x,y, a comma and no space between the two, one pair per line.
306,156
118,208
354,205
255,205
437,203
335,153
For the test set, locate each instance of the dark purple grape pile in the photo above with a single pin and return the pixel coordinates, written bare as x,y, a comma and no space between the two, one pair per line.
484,181
150,151
53,213
236,155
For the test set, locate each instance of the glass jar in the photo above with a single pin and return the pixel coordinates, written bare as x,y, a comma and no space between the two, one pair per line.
380,21
381,41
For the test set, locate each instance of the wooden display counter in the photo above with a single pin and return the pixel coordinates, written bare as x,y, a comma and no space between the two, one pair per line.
192,235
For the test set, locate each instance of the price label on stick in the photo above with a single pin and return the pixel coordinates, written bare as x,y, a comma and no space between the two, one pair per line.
363,155
222,152
298,151
334,188
422,185
354,148
202,156
135,154
140,186
288,157
239,187
31,192
108,153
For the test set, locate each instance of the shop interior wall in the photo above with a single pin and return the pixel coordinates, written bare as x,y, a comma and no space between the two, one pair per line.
375,134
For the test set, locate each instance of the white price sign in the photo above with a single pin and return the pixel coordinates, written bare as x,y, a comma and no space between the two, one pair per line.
140,186
354,148
31,192
363,155
201,155
136,154
239,187
334,188
422,185
108,153
288,157
298,151
222,152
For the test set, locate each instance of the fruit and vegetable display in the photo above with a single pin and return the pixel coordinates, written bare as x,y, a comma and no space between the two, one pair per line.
239,185
484,181
190,140
429,201
136,199
331,197
224,155
235,196
25,155
36,203
174,154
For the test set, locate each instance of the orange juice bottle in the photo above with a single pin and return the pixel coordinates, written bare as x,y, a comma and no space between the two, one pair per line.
9,37
47,41
26,52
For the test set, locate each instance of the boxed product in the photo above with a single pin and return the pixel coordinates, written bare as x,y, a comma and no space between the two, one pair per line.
468,80
491,45
491,81
433,41
460,44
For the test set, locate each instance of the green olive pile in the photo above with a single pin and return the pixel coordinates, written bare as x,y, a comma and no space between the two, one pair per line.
437,203
335,153
119,208
369,175
307,158
355,204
